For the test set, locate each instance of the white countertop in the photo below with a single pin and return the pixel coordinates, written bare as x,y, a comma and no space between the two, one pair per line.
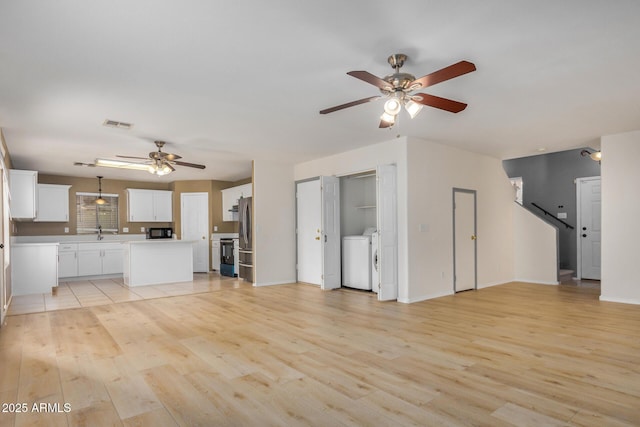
163,241
35,244
78,238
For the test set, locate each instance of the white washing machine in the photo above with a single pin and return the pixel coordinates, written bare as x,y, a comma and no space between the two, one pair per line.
375,277
357,261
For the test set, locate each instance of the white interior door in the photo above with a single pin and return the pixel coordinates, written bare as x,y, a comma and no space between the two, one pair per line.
194,214
387,232
4,213
464,240
589,232
330,241
309,225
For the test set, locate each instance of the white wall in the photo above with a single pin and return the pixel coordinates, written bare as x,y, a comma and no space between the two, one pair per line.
363,159
433,171
274,221
620,213
535,248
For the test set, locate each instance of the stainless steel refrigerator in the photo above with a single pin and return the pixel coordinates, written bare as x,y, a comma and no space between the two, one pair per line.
245,244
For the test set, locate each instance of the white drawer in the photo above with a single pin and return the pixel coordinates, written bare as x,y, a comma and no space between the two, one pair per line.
99,246
67,247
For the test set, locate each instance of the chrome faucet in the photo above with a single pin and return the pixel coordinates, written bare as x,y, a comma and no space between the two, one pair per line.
100,236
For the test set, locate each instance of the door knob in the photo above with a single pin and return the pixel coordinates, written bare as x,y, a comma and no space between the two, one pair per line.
584,228
473,237
203,238
317,237
584,235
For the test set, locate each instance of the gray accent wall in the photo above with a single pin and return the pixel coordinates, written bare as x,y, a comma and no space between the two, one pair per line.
549,181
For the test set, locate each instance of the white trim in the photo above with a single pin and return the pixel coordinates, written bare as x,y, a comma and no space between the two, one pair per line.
620,300
535,282
425,297
290,282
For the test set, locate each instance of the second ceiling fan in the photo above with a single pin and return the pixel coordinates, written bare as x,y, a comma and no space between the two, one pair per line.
158,162
399,90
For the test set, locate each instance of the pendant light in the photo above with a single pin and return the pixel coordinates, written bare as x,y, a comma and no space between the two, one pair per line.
100,200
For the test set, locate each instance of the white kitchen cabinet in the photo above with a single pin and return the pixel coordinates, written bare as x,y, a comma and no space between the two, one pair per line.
34,268
230,197
24,201
67,260
215,254
95,259
112,260
149,205
163,206
53,203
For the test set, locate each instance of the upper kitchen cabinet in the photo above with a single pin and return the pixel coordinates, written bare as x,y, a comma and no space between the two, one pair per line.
230,197
24,201
149,205
53,203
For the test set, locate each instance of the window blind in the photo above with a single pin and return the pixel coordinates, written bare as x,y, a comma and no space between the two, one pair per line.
90,216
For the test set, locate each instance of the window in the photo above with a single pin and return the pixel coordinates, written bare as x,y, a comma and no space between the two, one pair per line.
90,216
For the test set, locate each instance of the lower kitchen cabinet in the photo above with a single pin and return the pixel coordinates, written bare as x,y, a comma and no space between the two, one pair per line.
112,262
89,262
95,259
67,260
34,268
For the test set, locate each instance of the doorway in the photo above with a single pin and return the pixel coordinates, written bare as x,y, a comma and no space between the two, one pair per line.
194,218
320,209
318,231
588,204
465,267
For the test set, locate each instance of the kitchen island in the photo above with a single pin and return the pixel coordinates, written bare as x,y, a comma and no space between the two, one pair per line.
153,262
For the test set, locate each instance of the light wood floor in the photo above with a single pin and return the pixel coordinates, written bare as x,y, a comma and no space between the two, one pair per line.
516,354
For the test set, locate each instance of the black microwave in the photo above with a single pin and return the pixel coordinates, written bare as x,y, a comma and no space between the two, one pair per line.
160,233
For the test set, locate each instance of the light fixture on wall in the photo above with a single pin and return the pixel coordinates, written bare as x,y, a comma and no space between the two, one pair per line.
100,200
595,155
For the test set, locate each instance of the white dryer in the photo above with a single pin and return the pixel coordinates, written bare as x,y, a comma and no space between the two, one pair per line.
375,276
356,260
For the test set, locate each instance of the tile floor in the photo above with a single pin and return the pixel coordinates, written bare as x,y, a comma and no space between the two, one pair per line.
86,293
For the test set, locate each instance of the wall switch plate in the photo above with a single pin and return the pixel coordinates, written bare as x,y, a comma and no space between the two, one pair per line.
66,229
215,228
142,229
562,215
125,229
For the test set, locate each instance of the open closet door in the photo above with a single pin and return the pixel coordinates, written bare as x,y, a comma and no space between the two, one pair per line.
387,232
330,188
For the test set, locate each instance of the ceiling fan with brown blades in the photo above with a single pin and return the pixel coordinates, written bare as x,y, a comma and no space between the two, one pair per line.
399,89
158,162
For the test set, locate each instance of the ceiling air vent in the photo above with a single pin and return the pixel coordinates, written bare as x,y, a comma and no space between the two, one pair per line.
117,124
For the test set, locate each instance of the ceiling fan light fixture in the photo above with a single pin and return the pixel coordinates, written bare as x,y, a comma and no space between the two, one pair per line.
392,106
413,108
165,169
388,118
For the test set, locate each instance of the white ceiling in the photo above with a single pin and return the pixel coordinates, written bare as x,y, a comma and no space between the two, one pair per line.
227,82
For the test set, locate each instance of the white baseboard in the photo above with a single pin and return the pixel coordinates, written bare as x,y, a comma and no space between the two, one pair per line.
425,297
288,282
536,282
620,300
